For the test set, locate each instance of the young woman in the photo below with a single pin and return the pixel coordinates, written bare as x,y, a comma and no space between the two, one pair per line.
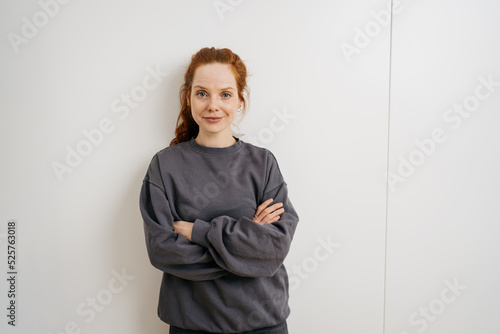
217,218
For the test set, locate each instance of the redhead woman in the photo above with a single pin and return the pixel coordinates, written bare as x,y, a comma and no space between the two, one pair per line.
217,218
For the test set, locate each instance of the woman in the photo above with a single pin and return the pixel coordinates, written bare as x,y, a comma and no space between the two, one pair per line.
222,270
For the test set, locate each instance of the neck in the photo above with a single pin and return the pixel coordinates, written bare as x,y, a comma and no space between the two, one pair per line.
215,140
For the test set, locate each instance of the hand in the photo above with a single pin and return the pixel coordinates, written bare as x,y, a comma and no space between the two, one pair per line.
268,215
184,228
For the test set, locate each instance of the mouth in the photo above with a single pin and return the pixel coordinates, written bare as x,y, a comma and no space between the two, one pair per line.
213,119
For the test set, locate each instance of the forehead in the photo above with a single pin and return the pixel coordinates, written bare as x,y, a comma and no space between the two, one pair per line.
214,75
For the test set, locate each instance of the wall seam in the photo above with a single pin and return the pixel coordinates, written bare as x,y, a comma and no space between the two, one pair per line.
387,171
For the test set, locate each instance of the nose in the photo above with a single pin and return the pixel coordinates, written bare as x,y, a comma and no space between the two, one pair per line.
213,104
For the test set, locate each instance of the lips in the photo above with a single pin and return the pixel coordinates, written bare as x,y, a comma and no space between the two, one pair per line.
213,119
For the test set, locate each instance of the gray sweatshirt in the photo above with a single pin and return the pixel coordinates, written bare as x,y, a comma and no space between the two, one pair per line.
230,278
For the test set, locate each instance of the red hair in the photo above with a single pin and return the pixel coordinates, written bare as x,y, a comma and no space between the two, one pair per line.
186,127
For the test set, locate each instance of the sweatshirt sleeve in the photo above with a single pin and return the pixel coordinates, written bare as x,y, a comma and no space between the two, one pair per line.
244,247
169,251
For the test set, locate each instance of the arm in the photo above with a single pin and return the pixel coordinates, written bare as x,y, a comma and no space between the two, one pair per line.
167,250
245,247
264,215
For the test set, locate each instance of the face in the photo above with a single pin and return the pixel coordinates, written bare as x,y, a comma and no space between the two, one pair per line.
214,99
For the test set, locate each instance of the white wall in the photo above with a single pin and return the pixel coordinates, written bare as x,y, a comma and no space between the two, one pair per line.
353,111
443,217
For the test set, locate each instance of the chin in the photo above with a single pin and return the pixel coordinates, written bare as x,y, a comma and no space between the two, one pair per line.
213,131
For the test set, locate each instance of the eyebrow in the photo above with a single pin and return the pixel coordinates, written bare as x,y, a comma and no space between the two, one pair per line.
227,88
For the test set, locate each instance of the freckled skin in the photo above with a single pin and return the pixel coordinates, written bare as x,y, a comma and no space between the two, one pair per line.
214,94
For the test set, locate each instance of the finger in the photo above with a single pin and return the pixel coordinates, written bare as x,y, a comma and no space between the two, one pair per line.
275,219
264,205
272,216
270,210
260,209
275,207
272,220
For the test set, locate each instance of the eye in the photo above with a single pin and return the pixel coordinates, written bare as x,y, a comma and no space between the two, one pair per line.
226,95
201,94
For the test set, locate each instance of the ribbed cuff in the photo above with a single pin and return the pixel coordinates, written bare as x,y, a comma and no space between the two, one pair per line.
199,235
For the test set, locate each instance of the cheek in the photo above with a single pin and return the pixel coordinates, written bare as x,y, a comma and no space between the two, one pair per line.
197,107
230,112
195,114
231,107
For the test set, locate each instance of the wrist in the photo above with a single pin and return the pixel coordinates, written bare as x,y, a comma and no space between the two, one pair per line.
200,232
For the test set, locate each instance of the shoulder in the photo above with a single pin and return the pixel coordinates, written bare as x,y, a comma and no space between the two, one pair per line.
257,150
170,154
273,177
262,154
172,150
166,157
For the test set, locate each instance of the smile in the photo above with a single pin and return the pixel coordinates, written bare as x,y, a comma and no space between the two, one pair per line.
213,119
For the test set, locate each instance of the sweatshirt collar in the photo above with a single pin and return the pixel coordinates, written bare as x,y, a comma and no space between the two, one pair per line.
216,150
